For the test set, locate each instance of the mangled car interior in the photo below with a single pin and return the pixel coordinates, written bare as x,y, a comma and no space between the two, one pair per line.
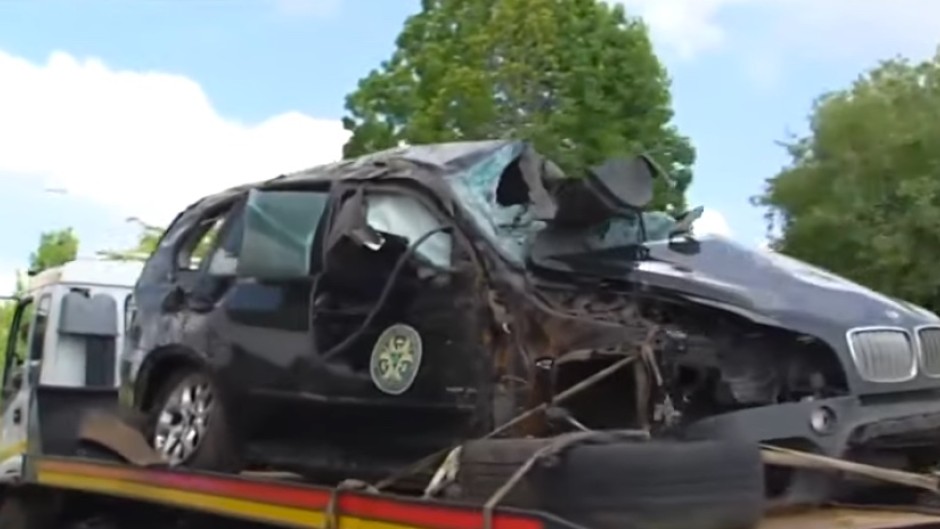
426,295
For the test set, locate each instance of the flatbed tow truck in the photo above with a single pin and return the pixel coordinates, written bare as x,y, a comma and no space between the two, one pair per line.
96,490
83,489
71,462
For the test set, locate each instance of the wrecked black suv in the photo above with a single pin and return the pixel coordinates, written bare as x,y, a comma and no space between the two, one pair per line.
354,317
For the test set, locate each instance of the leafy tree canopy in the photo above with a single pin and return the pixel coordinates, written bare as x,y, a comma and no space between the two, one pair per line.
861,195
578,78
55,248
146,243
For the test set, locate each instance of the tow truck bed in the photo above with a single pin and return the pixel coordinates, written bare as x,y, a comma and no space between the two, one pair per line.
272,502
276,503
63,485
58,489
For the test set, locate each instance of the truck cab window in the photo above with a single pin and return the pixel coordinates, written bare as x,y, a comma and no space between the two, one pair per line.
40,323
19,333
17,340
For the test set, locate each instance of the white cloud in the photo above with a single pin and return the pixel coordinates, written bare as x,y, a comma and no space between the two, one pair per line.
142,143
823,28
712,222
686,26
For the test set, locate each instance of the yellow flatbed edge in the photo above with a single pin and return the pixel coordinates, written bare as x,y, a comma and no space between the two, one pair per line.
286,504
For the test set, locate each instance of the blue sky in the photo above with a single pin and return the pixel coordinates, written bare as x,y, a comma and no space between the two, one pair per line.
136,108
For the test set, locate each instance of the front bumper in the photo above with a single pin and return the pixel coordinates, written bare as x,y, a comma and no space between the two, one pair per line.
854,422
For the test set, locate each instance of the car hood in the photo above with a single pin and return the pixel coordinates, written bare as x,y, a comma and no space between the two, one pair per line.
770,287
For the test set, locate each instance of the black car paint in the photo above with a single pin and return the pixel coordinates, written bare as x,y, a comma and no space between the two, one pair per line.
779,291
273,370
261,339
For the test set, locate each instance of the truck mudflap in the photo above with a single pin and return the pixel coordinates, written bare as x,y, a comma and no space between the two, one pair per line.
277,503
58,413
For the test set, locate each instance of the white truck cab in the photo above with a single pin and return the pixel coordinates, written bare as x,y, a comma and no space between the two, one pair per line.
67,332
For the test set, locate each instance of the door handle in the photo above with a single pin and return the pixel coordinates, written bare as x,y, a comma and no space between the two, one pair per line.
17,416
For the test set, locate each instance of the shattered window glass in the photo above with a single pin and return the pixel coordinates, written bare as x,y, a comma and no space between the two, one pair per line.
278,233
407,217
658,225
510,227
625,231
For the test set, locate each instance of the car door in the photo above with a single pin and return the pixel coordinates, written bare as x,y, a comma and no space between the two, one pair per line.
254,291
161,301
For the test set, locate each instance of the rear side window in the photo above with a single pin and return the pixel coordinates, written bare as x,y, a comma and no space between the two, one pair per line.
200,240
279,228
38,331
224,259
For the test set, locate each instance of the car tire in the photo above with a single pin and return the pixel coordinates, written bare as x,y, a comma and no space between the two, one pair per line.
708,484
216,449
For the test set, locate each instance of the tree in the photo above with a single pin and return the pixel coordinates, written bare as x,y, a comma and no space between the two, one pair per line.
146,244
578,78
55,248
861,195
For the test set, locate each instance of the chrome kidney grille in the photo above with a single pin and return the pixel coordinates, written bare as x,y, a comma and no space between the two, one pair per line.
928,340
884,354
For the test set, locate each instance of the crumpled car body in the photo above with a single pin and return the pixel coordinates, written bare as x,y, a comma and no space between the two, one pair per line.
516,288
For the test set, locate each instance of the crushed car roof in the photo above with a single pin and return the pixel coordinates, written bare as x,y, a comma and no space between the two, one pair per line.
448,158
470,173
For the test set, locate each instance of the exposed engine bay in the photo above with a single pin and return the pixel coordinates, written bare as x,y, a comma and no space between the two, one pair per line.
704,363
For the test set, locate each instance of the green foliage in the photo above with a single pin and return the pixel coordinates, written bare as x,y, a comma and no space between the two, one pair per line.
55,248
577,78
146,244
7,309
861,195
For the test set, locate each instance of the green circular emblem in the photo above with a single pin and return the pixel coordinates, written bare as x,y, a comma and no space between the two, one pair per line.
396,358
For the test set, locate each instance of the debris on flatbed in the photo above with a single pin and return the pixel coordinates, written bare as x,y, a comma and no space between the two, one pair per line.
852,518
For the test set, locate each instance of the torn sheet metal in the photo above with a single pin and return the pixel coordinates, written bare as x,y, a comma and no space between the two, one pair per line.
476,189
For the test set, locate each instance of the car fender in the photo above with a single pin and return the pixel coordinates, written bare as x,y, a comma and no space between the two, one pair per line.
159,364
